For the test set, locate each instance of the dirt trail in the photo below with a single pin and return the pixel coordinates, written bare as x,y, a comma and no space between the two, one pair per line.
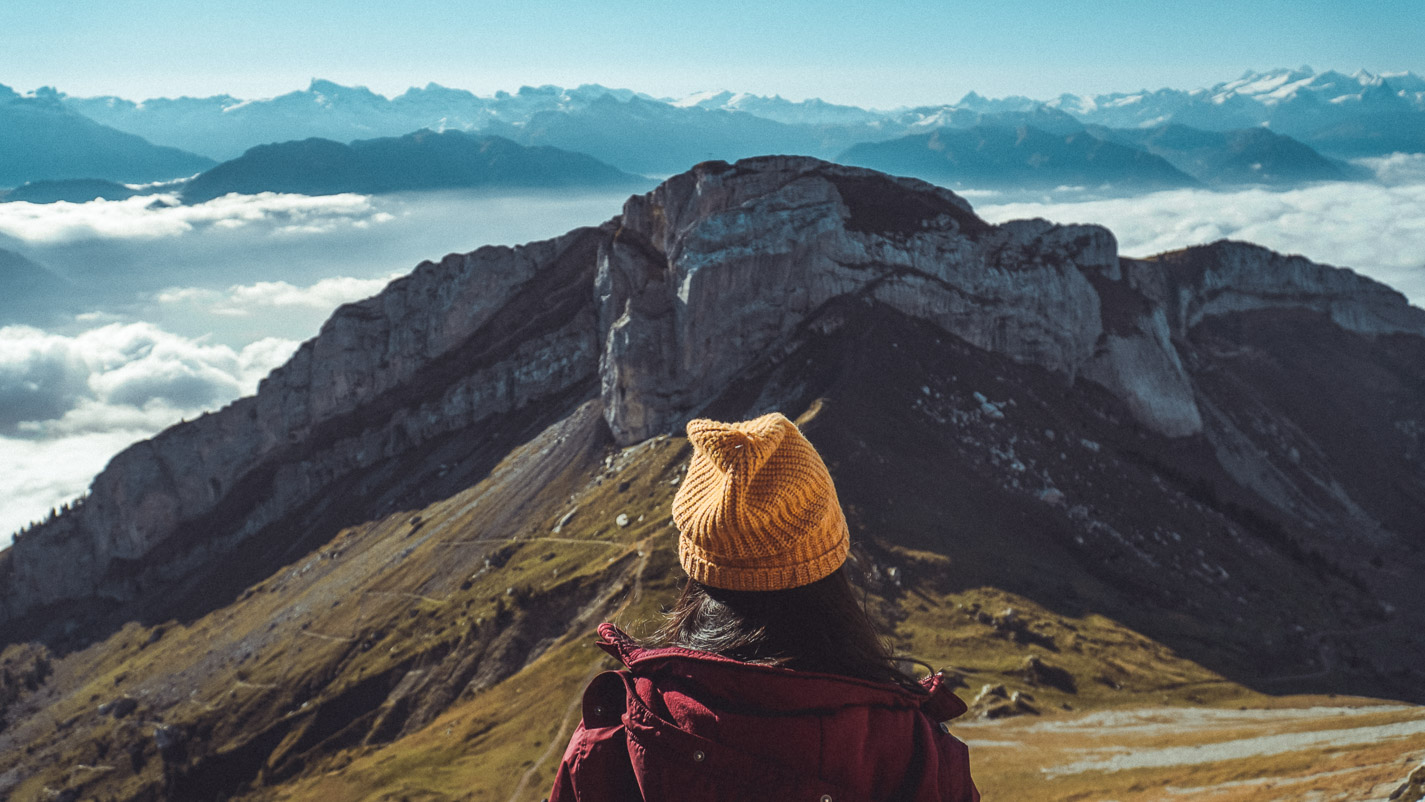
559,741
336,638
561,736
404,595
585,541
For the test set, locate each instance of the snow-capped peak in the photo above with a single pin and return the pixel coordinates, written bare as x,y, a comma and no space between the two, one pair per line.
715,98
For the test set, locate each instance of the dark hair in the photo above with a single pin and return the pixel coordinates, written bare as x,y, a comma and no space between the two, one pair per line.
817,627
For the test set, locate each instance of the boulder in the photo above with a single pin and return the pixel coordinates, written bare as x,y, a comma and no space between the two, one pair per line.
1414,788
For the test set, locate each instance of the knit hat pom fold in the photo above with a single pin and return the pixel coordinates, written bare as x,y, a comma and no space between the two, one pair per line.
742,451
757,510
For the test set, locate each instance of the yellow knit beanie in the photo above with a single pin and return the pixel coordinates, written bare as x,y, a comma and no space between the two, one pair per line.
757,510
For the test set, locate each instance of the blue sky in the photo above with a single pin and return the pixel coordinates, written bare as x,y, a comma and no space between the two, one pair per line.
887,53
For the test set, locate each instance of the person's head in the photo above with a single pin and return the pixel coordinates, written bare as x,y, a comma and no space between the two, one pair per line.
764,541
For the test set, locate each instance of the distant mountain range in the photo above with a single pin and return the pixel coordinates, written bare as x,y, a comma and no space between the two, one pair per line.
994,156
224,127
420,161
71,190
997,154
657,138
1343,115
43,139
1245,156
1386,112
1275,128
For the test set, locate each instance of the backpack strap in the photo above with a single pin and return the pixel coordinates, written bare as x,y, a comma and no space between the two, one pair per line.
597,765
606,699
943,704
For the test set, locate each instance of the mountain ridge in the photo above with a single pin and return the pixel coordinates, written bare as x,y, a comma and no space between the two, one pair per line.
1192,479
1235,158
1078,311
1025,157
424,160
42,139
1263,129
1317,109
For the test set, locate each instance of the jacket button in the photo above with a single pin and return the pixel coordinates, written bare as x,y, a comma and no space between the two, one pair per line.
826,798
698,756
598,711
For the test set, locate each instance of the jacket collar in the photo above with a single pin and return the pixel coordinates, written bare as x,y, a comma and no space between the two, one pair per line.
774,687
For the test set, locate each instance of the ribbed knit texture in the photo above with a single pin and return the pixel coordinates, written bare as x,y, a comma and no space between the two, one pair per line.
757,510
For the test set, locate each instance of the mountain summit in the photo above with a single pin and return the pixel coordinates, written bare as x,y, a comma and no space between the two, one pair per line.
42,139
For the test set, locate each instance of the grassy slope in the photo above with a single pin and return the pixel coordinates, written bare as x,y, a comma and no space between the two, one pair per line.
438,653
504,741
505,744
306,662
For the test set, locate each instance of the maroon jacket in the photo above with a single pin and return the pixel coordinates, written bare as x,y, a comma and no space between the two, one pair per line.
691,726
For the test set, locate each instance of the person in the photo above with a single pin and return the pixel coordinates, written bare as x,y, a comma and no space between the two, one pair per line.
769,681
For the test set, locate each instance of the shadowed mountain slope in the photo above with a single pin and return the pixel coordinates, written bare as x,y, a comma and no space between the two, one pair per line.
648,136
1346,115
31,294
991,156
1246,156
40,139
419,161
73,190
1103,482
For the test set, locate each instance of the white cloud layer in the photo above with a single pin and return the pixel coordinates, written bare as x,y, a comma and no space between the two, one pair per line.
1377,229
227,288
39,475
121,375
70,402
268,297
148,217
1397,168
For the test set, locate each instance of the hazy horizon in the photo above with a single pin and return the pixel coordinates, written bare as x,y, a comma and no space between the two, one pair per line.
391,91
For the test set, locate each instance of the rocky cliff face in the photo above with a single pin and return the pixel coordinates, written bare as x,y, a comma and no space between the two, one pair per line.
717,265
655,313
440,350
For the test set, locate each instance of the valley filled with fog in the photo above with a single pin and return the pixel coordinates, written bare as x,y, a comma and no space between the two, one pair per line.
1376,228
177,309
173,310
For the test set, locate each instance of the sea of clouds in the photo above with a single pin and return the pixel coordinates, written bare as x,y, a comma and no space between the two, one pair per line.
1376,228
190,306
152,217
69,403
